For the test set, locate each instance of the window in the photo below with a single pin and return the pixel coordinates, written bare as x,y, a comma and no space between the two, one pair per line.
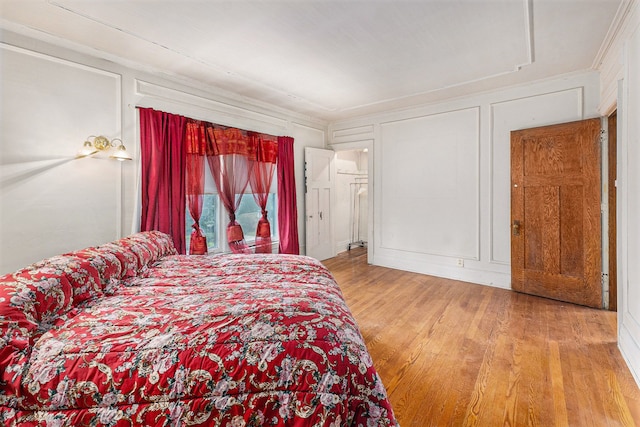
209,221
214,218
249,214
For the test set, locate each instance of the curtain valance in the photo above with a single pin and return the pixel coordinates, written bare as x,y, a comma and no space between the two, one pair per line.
208,139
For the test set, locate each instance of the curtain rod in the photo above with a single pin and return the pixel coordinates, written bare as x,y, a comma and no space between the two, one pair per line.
137,107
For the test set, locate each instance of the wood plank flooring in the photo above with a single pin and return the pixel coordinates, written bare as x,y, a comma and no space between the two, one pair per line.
452,353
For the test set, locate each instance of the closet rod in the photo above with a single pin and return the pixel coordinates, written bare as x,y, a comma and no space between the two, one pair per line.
346,172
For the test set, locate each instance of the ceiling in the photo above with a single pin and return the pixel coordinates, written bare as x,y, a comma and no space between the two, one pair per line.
331,59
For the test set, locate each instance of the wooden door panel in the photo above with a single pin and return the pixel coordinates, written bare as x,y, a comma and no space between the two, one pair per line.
546,285
571,230
551,156
555,210
534,197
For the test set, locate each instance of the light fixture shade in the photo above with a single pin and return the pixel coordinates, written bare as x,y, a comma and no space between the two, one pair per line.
86,150
121,154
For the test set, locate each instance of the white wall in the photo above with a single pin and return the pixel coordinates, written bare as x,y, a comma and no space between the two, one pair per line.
51,202
629,176
621,77
441,175
54,98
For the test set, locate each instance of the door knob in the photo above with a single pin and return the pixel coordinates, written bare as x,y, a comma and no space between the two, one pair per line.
516,228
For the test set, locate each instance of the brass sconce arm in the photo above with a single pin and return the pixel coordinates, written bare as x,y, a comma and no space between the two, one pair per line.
102,143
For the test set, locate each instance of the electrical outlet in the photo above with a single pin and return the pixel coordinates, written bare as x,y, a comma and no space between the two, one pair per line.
460,262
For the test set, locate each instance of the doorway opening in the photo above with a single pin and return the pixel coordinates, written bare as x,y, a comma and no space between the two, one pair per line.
353,225
352,182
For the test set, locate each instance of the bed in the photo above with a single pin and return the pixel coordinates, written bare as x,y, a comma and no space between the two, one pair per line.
224,340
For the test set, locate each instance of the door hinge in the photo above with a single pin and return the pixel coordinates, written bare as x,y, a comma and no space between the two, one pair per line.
604,281
604,136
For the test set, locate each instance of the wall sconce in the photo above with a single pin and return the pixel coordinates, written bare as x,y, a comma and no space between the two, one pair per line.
101,143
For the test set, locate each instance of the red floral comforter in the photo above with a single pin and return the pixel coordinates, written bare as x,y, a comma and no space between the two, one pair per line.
230,340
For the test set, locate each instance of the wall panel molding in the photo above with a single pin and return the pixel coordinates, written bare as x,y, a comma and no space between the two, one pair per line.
519,113
430,175
226,113
56,59
50,199
349,134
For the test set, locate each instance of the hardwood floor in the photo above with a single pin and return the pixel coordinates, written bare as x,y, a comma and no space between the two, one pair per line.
452,353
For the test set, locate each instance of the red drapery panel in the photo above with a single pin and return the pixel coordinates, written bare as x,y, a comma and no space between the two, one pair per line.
230,160
195,143
287,207
163,174
266,148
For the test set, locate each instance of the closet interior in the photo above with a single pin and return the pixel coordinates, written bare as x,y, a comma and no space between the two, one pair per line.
352,199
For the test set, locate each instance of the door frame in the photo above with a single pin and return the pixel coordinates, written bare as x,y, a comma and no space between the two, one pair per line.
611,199
604,212
360,145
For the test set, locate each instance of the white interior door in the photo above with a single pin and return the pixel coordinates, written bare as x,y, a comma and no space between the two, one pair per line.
319,179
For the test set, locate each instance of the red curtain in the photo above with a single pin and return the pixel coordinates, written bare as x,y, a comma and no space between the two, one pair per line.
163,174
261,177
195,143
287,207
230,155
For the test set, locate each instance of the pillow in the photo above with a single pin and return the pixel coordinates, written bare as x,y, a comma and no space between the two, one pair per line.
107,263
148,246
128,259
31,300
83,277
144,250
16,340
34,295
163,241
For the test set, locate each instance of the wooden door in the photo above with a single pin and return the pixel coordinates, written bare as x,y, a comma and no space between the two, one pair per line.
319,178
555,212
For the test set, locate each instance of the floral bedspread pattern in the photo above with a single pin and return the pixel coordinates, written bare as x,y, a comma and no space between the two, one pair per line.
227,340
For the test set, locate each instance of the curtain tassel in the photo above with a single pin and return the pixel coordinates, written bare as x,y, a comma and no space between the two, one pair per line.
264,228
198,245
234,233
